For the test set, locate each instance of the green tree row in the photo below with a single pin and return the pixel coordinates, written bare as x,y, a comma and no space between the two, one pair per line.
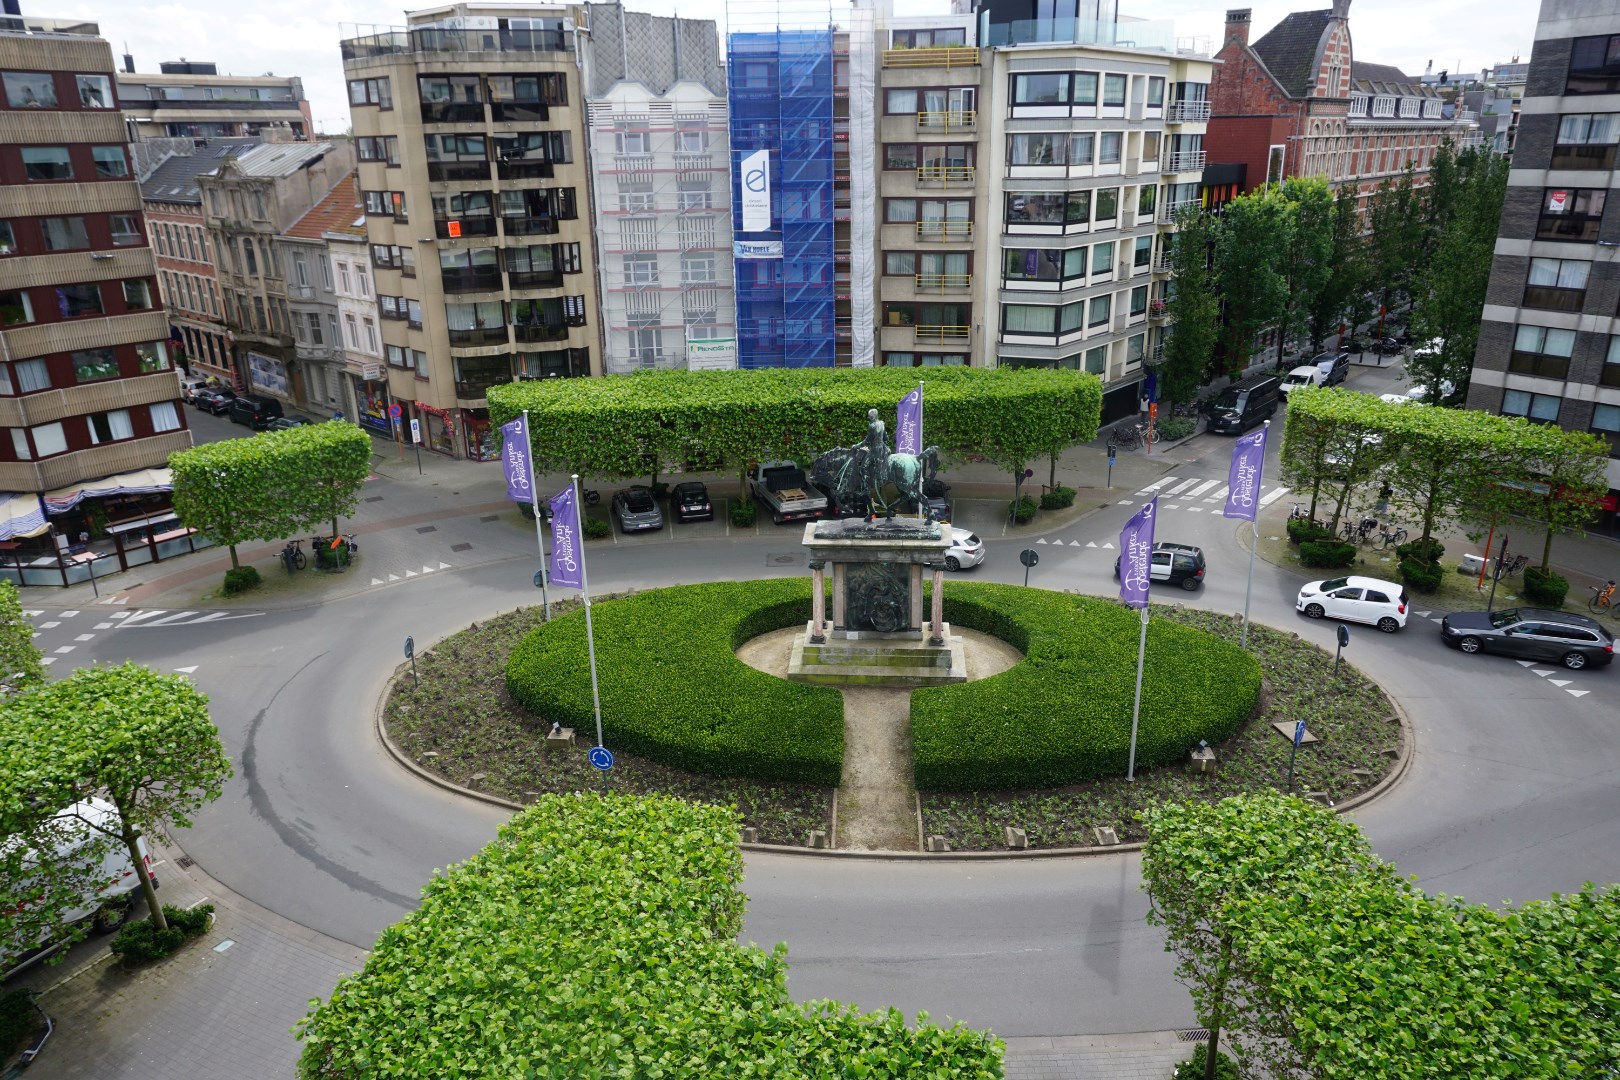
1320,961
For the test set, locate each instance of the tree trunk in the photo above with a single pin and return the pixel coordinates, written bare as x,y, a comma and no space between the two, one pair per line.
1053,478
1316,493
132,844
235,563
742,484
334,528
1546,552
1212,1047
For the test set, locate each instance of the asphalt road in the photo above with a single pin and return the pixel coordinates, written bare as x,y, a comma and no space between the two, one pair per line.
1512,793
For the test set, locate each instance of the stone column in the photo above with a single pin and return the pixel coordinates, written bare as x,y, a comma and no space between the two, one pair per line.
936,634
840,601
818,603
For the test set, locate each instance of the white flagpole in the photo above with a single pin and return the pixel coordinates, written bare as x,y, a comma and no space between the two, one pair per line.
1254,542
1136,705
919,416
590,636
539,530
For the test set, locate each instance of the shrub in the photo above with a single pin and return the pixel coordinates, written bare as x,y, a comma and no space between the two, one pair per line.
1064,714
1546,589
1327,553
1023,510
673,686
241,579
1428,552
328,557
742,514
618,917
595,529
140,942
1193,1069
1175,428
1059,498
1422,576
18,1018
1301,530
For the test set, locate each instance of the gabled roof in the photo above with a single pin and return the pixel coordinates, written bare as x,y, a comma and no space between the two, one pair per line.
338,212
280,159
1384,79
175,179
1289,49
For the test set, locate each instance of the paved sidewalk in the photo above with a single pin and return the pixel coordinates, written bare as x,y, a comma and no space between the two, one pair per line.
1148,1055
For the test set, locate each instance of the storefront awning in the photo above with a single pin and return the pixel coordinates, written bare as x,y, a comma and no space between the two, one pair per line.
141,523
20,515
139,482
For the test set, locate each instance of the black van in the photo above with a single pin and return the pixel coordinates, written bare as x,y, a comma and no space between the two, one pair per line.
255,410
1244,404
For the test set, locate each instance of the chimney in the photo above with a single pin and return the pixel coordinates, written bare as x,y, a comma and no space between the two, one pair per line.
129,63
1237,25
1341,9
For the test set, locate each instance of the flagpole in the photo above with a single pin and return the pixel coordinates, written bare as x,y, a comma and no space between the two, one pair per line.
1136,705
1254,542
539,530
590,637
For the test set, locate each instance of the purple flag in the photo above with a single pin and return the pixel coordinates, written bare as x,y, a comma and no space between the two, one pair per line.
516,459
1243,480
1136,555
908,424
567,559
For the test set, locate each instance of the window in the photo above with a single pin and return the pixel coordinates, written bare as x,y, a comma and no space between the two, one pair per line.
1571,214
1108,147
567,257
419,363
1606,422
95,91
1085,88
31,375
73,301
126,229
110,161
640,269
1098,315
1097,360
697,269
1155,92
1594,65
1542,350
1029,319
1107,205
899,263
312,325
64,233
1102,258
1139,299
8,240
49,439
1557,284
47,163
1135,349
896,102
1113,92
397,357
1586,141
929,39
1056,208
1082,148
250,261
1143,254
1150,146
30,90
1542,408
370,92
382,148
110,426
138,294
1043,89
164,416
362,280
900,156
899,211
1041,148
93,365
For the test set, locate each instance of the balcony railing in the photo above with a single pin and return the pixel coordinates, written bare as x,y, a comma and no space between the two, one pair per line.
633,163
946,56
944,230
483,335
1551,298
688,161
948,120
942,282
450,112
301,292
520,111
1168,212
1184,112
1156,310
1161,263
1187,161
464,226
530,333
945,174
458,170
526,170
529,226
401,41
470,280
534,279
938,335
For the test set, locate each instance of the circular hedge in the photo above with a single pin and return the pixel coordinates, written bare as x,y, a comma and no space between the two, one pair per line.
674,691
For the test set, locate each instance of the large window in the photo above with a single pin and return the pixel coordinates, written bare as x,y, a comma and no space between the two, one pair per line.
928,39
1610,375
95,91
164,416
64,233
126,230
138,294
1586,141
1043,264
1113,92
110,161
30,89
1109,146
370,92
16,308
93,365
1571,214
110,426
1043,89
73,301
1557,284
1594,65
47,163
1099,310
1542,408
1055,208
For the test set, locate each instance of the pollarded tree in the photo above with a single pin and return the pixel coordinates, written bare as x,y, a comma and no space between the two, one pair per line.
1335,442
1447,462
1253,232
21,666
222,492
142,740
1556,480
1193,308
322,468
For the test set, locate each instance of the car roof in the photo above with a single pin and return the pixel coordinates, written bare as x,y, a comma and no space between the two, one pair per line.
1574,619
1170,545
1305,369
1371,583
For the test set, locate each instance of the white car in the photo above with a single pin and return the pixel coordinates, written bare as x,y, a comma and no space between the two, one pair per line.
1399,399
1419,392
1308,375
966,550
1356,599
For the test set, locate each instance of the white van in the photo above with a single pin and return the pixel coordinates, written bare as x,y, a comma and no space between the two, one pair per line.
104,906
1308,375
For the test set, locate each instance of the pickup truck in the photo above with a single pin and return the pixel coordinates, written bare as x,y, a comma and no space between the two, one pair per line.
783,487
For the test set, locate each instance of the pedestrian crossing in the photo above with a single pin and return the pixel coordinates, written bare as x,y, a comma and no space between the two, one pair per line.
1196,495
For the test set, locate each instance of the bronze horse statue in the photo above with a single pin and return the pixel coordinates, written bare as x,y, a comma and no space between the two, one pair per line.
851,470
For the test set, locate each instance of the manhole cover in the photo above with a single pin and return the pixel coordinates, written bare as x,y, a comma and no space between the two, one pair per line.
428,529
460,547
787,559
184,861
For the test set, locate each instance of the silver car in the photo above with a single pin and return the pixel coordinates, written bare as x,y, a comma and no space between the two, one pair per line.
636,510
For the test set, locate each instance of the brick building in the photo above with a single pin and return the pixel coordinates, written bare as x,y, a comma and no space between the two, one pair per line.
1297,103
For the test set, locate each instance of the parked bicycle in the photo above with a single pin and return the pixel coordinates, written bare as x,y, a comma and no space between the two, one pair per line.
1603,598
1357,532
1127,437
292,556
1509,565
1297,512
1390,536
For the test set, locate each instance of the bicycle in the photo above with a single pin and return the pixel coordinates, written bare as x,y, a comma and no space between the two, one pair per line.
1126,438
1390,536
1603,597
1357,532
292,556
1509,565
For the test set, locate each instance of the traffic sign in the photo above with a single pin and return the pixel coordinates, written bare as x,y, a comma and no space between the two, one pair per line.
1029,556
1344,636
410,648
539,579
416,431
395,411
601,757
1299,732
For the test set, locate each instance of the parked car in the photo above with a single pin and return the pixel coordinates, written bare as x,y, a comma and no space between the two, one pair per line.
966,550
1420,392
637,510
689,501
1336,366
255,410
1307,375
1355,599
291,420
213,399
189,385
1244,404
1175,564
1575,641
1387,345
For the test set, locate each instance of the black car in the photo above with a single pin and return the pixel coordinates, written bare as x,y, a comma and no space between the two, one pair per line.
1531,633
255,411
689,501
1175,564
214,399
291,420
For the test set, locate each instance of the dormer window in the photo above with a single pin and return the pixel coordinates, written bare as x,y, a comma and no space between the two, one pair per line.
1358,105
1431,110
1383,106
1409,106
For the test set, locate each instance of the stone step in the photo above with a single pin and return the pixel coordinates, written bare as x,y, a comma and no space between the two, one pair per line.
935,657
877,676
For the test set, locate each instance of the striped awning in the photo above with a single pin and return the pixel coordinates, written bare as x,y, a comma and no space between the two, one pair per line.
21,515
139,482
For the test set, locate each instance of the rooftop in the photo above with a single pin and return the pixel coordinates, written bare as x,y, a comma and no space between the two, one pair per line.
175,179
1289,49
280,159
338,212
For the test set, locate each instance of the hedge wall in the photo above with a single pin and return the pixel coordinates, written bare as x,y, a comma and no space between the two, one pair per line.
1064,714
596,937
673,690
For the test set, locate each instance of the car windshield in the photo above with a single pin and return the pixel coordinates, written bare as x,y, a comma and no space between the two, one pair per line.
1227,400
1505,617
1334,583
638,501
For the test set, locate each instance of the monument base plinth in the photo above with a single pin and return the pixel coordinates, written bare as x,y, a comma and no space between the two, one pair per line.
868,658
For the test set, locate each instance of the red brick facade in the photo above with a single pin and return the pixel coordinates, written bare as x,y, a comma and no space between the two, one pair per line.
190,290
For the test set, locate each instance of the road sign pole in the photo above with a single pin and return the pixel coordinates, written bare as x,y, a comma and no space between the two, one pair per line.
1496,571
410,654
1110,468
1344,639
1293,751
1136,703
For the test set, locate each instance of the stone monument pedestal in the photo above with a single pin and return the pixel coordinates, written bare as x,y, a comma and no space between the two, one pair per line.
878,635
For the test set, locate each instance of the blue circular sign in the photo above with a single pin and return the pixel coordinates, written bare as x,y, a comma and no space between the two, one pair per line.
754,180
601,757
395,411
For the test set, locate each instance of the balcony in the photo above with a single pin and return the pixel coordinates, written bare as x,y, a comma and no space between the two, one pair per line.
1583,157
948,120
1161,263
695,162
943,282
1186,161
447,112
481,335
517,112
526,170
534,279
301,292
1186,112
534,333
465,226
939,335
440,171
1156,311
1550,298
400,41
633,167
470,280
1168,212
946,175
948,56
530,226
945,230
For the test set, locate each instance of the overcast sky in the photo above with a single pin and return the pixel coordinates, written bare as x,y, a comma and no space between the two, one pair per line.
300,37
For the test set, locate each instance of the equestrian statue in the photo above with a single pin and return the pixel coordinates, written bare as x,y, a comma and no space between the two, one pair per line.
864,470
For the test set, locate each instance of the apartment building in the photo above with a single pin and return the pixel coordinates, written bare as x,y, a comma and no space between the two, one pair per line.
88,398
326,329
470,126
248,204
191,99
1549,347
352,275
659,141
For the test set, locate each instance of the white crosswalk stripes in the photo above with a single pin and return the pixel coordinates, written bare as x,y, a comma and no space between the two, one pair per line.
1184,490
1201,488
